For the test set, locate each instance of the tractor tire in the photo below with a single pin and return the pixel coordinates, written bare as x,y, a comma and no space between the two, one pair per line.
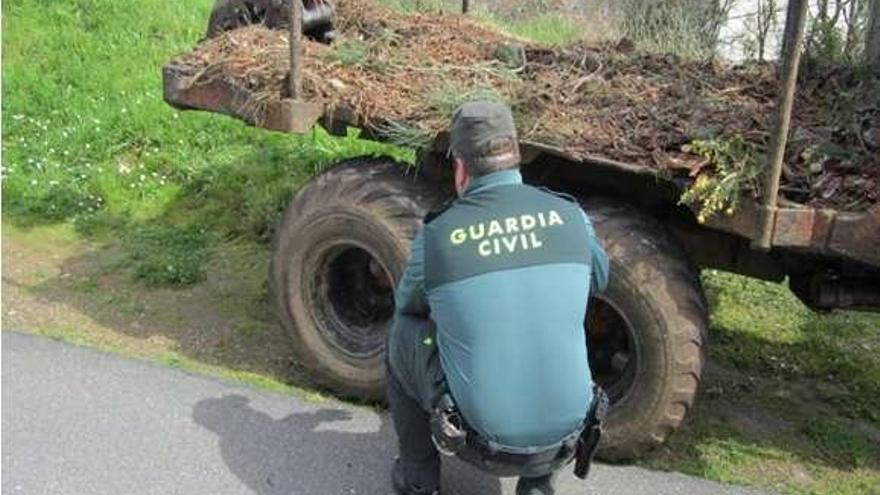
341,247
655,295
233,14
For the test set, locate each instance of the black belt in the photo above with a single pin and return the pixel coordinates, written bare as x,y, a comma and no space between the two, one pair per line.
452,434
559,453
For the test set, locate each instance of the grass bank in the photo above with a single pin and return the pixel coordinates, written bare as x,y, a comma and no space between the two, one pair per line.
138,229
789,398
87,138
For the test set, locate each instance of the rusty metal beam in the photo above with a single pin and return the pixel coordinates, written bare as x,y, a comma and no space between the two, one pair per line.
857,236
854,236
794,37
184,91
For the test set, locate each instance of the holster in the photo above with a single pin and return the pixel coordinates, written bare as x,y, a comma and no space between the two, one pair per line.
447,427
591,435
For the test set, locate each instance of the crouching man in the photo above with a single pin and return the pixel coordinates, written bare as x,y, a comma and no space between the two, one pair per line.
487,356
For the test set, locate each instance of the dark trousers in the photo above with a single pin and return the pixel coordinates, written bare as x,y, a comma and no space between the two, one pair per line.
414,383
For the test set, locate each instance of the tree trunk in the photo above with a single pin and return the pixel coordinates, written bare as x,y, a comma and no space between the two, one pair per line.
872,38
852,33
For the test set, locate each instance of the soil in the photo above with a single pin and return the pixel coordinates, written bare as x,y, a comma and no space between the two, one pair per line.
66,288
403,73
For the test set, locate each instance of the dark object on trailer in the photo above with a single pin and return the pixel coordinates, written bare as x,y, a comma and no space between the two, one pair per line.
227,15
343,241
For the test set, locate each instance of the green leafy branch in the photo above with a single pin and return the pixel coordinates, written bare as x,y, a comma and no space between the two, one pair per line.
735,167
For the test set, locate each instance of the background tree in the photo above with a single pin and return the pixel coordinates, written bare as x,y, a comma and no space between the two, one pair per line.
689,28
762,24
872,38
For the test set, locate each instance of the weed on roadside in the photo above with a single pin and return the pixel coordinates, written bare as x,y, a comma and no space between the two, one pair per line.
445,100
168,255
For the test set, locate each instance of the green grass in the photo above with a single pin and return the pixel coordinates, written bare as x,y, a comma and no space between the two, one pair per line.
174,359
169,255
446,99
761,327
550,28
87,137
688,28
791,400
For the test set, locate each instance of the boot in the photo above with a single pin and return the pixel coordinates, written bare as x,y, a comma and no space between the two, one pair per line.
402,487
536,486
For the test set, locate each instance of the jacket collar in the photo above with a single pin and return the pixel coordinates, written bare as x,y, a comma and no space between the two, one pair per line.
494,179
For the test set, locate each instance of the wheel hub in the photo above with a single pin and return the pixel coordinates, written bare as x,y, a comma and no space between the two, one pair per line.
353,300
611,347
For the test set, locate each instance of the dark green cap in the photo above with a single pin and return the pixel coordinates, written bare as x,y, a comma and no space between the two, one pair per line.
484,133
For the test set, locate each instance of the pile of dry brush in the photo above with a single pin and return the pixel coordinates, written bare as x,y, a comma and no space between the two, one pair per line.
403,74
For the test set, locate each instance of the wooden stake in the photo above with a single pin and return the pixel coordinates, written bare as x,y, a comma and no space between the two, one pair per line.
791,56
296,20
872,38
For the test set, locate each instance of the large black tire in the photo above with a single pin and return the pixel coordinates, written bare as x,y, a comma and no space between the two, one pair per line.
657,292
340,249
273,14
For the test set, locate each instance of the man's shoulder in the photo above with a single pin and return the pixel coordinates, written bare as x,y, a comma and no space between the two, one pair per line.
435,214
553,195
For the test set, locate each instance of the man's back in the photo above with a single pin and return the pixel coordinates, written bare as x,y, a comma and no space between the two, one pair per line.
507,273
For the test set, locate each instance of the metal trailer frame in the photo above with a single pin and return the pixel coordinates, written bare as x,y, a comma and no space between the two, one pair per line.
827,232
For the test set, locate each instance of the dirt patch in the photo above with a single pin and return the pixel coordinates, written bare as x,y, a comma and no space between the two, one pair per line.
401,72
75,290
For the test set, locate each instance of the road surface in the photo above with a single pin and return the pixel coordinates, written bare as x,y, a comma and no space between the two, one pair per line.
77,421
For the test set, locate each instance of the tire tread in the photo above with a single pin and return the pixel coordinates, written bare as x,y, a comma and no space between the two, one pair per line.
626,229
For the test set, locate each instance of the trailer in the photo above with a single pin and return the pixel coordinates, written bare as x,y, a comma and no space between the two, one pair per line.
343,241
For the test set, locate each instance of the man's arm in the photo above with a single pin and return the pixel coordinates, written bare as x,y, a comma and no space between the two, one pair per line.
599,272
410,298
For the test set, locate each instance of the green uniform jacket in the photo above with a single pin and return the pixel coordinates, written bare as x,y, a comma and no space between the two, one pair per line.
505,273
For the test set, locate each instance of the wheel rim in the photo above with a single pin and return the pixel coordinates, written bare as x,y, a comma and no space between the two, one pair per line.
352,299
612,347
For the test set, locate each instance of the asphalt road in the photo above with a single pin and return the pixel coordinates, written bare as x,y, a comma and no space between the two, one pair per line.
77,421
